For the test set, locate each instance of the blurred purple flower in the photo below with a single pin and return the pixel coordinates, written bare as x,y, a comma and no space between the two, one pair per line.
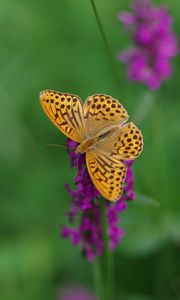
76,293
154,43
86,207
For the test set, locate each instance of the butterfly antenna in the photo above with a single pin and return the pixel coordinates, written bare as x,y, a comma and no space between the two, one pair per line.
60,146
55,145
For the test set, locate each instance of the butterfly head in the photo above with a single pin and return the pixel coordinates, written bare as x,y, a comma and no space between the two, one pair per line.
86,144
80,148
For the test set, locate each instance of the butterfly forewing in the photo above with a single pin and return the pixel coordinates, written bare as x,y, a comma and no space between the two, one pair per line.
65,111
107,174
102,111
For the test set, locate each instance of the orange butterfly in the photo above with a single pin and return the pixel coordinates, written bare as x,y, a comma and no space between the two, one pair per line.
98,127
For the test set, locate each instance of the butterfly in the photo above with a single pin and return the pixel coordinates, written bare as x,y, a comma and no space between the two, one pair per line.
98,126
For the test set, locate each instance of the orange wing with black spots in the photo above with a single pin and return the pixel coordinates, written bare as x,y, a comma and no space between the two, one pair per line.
131,142
65,111
102,111
125,141
107,173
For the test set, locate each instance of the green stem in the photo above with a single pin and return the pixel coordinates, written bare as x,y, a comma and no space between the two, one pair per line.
98,279
106,44
163,194
108,255
161,180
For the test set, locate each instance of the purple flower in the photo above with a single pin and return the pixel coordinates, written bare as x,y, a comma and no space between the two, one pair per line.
154,43
86,208
76,293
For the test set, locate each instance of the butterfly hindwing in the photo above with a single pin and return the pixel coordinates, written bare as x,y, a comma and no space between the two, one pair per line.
124,141
101,111
131,142
107,173
65,111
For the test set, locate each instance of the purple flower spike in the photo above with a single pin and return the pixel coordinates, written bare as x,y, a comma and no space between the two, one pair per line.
86,209
154,44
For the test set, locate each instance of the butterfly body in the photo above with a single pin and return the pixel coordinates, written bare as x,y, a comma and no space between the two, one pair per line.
91,143
85,145
98,127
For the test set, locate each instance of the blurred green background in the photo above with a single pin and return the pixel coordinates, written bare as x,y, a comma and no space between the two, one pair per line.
57,45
